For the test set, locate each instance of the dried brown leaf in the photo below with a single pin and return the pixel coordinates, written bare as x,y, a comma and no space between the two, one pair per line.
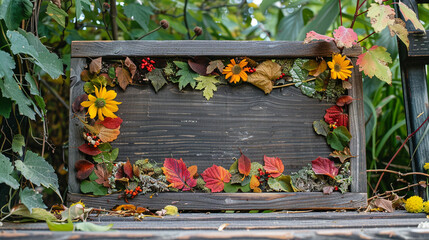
321,67
384,204
264,75
131,66
347,85
199,65
215,64
76,107
104,133
342,155
123,77
95,65
85,76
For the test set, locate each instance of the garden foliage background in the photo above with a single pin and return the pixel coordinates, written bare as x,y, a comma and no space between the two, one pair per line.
44,129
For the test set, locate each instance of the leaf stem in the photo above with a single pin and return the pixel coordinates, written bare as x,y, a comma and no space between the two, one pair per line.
341,13
369,35
148,33
398,173
392,191
291,84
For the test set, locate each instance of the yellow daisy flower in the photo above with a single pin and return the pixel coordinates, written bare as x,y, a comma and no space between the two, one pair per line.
102,104
340,67
426,166
236,71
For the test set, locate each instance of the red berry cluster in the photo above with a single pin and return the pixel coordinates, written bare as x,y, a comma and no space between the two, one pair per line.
263,176
335,188
92,140
148,64
133,193
281,76
252,70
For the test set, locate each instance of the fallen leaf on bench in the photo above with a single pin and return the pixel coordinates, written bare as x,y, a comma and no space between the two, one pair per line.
131,66
222,227
215,177
244,164
95,65
273,166
92,151
178,174
91,227
123,77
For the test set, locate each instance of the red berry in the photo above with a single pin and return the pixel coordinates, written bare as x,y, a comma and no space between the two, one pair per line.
269,175
152,61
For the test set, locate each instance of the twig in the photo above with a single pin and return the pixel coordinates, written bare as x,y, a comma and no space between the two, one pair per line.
148,33
398,173
400,148
369,35
106,27
291,84
341,14
185,19
55,94
392,191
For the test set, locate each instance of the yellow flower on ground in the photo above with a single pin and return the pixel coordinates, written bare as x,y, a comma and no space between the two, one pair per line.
426,166
414,204
426,207
340,67
236,71
102,104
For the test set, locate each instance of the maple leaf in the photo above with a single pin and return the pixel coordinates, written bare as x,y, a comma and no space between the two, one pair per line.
193,171
178,175
374,63
273,166
335,115
342,155
123,77
103,175
409,14
84,169
208,83
215,64
381,16
312,36
186,75
92,151
128,169
215,177
324,166
112,123
344,100
131,66
399,29
254,182
244,164
95,65
264,75
199,65
345,37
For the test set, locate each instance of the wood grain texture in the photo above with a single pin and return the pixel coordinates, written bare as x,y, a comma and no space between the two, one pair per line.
207,48
419,46
233,201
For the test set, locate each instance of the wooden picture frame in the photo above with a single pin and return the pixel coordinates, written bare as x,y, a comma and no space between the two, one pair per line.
356,198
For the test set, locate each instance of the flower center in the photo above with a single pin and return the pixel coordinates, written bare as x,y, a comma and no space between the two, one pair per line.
236,69
337,67
100,102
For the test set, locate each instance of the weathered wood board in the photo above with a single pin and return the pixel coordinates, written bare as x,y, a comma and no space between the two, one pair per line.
182,124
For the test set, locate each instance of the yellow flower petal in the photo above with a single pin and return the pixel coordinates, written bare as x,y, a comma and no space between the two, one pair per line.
86,103
108,113
242,63
233,62
112,107
92,110
113,102
243,75
110,95
228,75
100,114
97,94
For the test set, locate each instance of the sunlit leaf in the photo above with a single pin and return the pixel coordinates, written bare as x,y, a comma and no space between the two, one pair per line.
244,164
409,14
36,213
265,74
345,37
399,29
60,227
374,63
57,14
381,16
91,227
207,84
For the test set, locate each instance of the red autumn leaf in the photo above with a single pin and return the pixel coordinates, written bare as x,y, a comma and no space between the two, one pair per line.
84,169
273,166
344,100
103,175
178,175
199,65
336,115
120,173
112,123
95,65
215,177
131,66
345,37
92,151
128,169
324,166
312,35
244,164
76,104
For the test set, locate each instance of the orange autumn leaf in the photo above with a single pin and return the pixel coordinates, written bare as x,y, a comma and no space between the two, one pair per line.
257,190
273,166
215,177
128,169
244,164
124,207
193,170
178,174
105,134
254,182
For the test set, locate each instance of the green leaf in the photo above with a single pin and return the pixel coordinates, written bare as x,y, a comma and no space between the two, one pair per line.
381,16
20,44
265,4
112,73
91,227
41,103
14,11
5,106
57,14
79,7
36,213
374,63
299,75
31,199
232,188
339,138
6,169
290,26
139,13
409,14
37,170
93,187
187,76
104,147
321,128
208,83
254,168
323,20
156,78
17,143
60,227
33,86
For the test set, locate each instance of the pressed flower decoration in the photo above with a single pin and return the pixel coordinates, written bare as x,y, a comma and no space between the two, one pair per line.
340,67
236,71
102,104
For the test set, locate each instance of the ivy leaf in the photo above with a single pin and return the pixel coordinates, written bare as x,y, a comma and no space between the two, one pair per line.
60,227
345,37
95,65
215,64
92,151
342,155
14,11
93,187
344,100
273,166
31,199
131,66
335,115
321,128
91,227
264,75
208,83
187,76
299,76
281,184
157,79
83,168
215,177
314,36
78,7
17,143
339,138
374,63
112,123
399,29
410,15
244,164
123,77
324,166
6,169
37,170
178,175
381,16
57,14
